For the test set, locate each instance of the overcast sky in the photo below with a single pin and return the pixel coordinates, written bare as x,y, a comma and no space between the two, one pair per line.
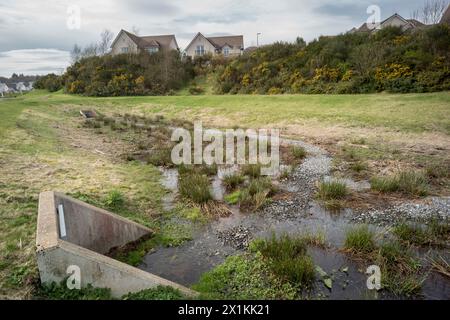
35,38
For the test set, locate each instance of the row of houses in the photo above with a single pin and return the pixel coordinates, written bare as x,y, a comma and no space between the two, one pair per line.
228,46
19,87
231,46
397,20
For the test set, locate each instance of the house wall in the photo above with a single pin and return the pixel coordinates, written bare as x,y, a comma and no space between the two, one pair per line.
173,45
209,48
124,41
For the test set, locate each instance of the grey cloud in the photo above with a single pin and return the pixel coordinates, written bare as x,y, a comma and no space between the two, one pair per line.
151,7
220,19
357,10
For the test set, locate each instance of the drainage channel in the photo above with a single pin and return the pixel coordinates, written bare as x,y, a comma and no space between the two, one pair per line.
213,243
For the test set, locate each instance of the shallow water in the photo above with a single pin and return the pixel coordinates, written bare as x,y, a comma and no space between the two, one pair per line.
185,264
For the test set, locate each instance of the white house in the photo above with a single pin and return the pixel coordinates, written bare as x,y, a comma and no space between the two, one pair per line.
3,89
126,42
228,46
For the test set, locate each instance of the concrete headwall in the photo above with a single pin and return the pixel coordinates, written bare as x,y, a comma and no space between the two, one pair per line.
96,229
91,232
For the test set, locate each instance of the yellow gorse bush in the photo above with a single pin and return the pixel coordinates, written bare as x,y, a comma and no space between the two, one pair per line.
393,71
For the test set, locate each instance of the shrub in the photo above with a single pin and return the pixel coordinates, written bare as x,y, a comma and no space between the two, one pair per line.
50,82
195,187
130,74
196,90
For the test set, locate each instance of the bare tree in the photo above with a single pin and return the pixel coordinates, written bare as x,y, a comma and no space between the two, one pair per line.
75,54
431,12
90,51
105,41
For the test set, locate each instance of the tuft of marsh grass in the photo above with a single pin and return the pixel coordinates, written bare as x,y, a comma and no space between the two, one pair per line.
441,265
332,190
195,187
360,239
287,257
359,166
232,181
209,170
400,270
256,194
160,157
409,182
437,171
114,200
252,170
434,234
285,173
298,152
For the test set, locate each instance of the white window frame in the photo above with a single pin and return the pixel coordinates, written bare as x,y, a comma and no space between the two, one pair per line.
226,51
152,50
200,50
124,50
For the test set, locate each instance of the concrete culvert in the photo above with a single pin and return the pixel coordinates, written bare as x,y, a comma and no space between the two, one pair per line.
72,233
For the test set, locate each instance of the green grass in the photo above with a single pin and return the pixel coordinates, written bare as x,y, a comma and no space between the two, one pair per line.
359,239
233,198
403,112
332,190
287,257
409,182
436,233
158,293
243,277
60,291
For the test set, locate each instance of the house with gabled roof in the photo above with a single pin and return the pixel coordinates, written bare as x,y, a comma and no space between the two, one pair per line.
446,16
395,20
127,42
228,46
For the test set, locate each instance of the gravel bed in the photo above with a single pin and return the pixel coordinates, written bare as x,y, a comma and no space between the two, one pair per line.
432,208
237,237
